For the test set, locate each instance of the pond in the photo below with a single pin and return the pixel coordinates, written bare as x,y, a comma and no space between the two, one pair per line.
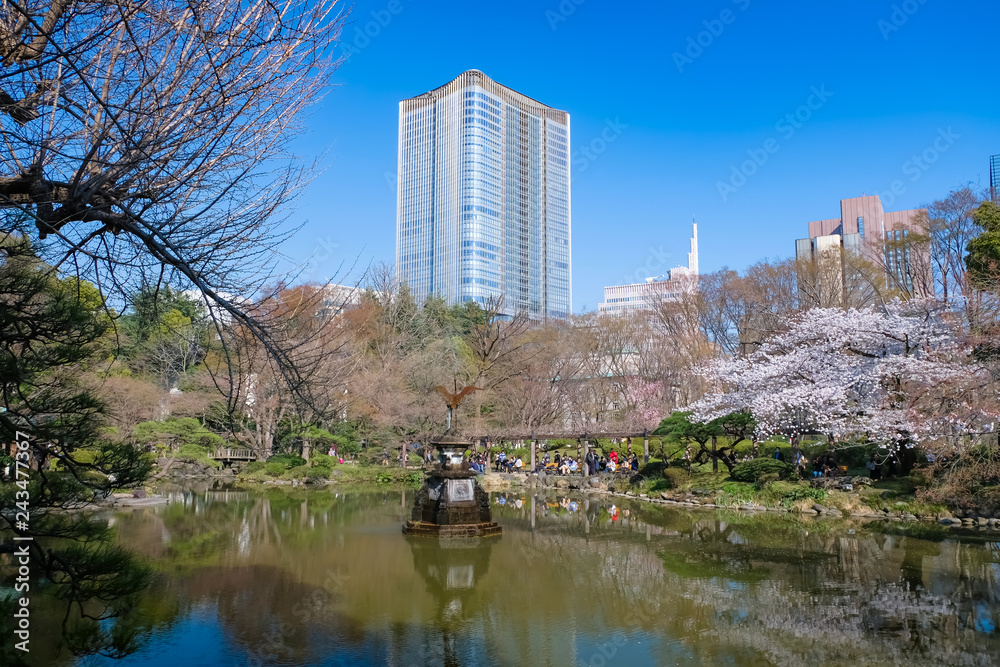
324,577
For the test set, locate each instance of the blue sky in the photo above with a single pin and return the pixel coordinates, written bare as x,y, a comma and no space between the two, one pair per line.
687,92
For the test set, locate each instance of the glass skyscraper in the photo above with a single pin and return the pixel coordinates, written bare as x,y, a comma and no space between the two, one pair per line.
483,204
995,178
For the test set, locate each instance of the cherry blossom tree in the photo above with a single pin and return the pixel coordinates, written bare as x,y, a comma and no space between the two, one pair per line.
643,402
892,375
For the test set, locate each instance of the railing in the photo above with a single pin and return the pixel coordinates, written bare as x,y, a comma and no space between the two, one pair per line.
226,496
231,454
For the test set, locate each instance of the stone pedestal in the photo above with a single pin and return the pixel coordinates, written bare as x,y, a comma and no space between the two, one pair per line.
451,503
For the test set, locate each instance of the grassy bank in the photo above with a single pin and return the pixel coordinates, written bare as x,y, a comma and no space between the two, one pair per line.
896,496
322,469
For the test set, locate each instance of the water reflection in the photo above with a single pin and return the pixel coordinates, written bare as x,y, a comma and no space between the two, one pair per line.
451,569
297,577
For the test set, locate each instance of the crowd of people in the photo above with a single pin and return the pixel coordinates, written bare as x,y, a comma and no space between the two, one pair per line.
625,461
559,464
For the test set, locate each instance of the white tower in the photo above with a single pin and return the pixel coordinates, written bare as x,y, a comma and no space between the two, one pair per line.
693,255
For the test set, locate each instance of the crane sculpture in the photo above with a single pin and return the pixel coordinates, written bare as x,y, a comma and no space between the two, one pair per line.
454,399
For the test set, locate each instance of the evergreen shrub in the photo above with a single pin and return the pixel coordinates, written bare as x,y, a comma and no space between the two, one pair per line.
752,471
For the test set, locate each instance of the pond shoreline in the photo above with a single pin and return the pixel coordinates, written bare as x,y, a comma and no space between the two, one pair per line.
368,476
605,486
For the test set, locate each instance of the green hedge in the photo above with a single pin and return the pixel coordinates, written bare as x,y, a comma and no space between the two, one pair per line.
197,453
752,471
275,468
287,460
675,477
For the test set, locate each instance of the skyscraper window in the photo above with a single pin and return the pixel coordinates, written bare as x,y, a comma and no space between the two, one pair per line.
484,198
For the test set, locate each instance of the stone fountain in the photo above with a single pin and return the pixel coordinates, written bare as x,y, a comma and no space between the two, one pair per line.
451,503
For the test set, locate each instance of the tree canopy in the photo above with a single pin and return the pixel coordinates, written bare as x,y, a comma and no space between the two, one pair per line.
879,373
50,330
983,258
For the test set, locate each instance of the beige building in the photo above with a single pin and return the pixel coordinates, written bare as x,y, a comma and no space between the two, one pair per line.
867,232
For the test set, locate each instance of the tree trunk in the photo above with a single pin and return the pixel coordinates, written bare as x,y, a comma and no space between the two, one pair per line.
715,459
795,453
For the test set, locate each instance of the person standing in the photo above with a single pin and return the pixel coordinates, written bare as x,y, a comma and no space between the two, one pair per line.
800,464
873,469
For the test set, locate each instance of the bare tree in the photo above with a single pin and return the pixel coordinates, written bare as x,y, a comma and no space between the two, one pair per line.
496,342
320,335
149,141
499,351
131,401
950,225
544,393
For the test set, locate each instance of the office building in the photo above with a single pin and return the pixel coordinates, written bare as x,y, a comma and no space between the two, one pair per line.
635,297
866,231
483,205
995,178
